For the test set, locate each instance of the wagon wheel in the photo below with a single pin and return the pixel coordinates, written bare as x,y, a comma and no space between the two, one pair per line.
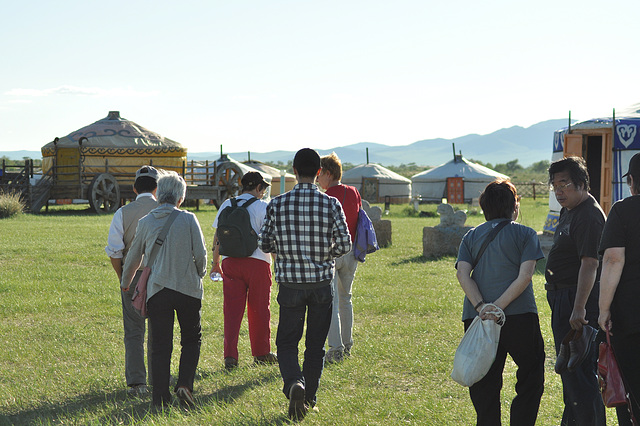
104,193
228,177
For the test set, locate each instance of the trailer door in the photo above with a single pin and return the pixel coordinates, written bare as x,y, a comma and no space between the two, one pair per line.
573,145
606,178
597,150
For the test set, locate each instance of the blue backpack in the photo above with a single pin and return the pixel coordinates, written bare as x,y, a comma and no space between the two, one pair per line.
366,241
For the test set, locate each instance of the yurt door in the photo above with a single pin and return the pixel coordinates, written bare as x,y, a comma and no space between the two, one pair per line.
67,165
455,190
370,189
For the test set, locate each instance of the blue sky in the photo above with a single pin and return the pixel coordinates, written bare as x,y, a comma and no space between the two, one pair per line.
268,75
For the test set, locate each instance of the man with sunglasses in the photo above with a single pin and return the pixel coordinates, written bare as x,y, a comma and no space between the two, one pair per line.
572,276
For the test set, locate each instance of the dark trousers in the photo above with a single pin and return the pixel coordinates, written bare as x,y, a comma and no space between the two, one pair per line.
626,349
582,400
161,307
316,303
520,337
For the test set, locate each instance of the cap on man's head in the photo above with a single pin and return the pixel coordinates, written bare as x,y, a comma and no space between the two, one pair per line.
634,166
147,171
253,179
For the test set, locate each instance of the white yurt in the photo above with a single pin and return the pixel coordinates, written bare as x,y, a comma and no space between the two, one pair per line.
459,181
375,183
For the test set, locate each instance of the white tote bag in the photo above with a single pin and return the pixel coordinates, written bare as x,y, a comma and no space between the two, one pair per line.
477,349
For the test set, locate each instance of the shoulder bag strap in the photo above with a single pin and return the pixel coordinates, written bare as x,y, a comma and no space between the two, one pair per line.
161,237
249,202
488,240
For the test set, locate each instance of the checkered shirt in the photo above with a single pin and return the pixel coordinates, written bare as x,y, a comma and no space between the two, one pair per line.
306,229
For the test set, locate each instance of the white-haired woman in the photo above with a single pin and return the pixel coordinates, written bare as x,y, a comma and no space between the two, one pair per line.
175,285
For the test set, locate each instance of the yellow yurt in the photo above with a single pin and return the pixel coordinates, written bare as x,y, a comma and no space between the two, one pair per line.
98,162
276,177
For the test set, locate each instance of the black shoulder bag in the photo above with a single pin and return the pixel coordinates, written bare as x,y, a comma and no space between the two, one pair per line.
488,240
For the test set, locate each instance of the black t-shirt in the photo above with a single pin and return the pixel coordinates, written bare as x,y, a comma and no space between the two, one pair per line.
577,235
623,230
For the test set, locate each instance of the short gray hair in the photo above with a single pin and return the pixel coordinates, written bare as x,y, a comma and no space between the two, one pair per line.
171,188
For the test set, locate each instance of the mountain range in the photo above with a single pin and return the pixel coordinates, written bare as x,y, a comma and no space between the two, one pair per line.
527,145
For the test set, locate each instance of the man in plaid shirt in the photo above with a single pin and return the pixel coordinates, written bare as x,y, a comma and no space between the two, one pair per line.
307,230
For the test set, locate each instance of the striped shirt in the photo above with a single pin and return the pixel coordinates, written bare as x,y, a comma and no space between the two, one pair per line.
306,229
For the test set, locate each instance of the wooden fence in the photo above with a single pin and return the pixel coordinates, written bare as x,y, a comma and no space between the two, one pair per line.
532,189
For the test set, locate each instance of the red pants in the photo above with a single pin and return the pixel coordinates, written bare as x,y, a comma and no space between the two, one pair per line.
247,281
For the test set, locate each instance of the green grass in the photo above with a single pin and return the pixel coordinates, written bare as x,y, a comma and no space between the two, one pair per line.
62,356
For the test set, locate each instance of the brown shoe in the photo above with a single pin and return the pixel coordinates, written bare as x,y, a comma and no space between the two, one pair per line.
269,358
580,346
230,363
185,396
564,353
333,357
137,390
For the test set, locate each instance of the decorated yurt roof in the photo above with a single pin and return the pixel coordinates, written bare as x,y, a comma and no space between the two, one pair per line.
116,133
373,170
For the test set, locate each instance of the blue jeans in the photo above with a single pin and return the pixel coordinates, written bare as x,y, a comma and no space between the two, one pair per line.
316,303
582,400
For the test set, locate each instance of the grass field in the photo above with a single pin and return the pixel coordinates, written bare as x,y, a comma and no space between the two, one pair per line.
62,356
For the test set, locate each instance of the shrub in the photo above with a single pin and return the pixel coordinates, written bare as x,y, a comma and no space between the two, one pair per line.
474,211
10,204
409,211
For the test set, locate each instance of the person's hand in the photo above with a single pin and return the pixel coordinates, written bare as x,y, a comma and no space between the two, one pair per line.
577,319
485,315
216,268
604,321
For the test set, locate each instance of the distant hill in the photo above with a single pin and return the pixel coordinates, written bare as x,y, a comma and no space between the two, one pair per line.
528,145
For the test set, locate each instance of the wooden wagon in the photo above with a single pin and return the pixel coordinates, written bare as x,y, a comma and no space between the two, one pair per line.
98,163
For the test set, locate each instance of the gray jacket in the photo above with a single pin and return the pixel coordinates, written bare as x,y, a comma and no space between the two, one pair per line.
180,263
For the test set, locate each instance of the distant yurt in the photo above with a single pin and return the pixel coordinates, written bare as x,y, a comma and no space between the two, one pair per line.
376,183
112,147
289,179
459,181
